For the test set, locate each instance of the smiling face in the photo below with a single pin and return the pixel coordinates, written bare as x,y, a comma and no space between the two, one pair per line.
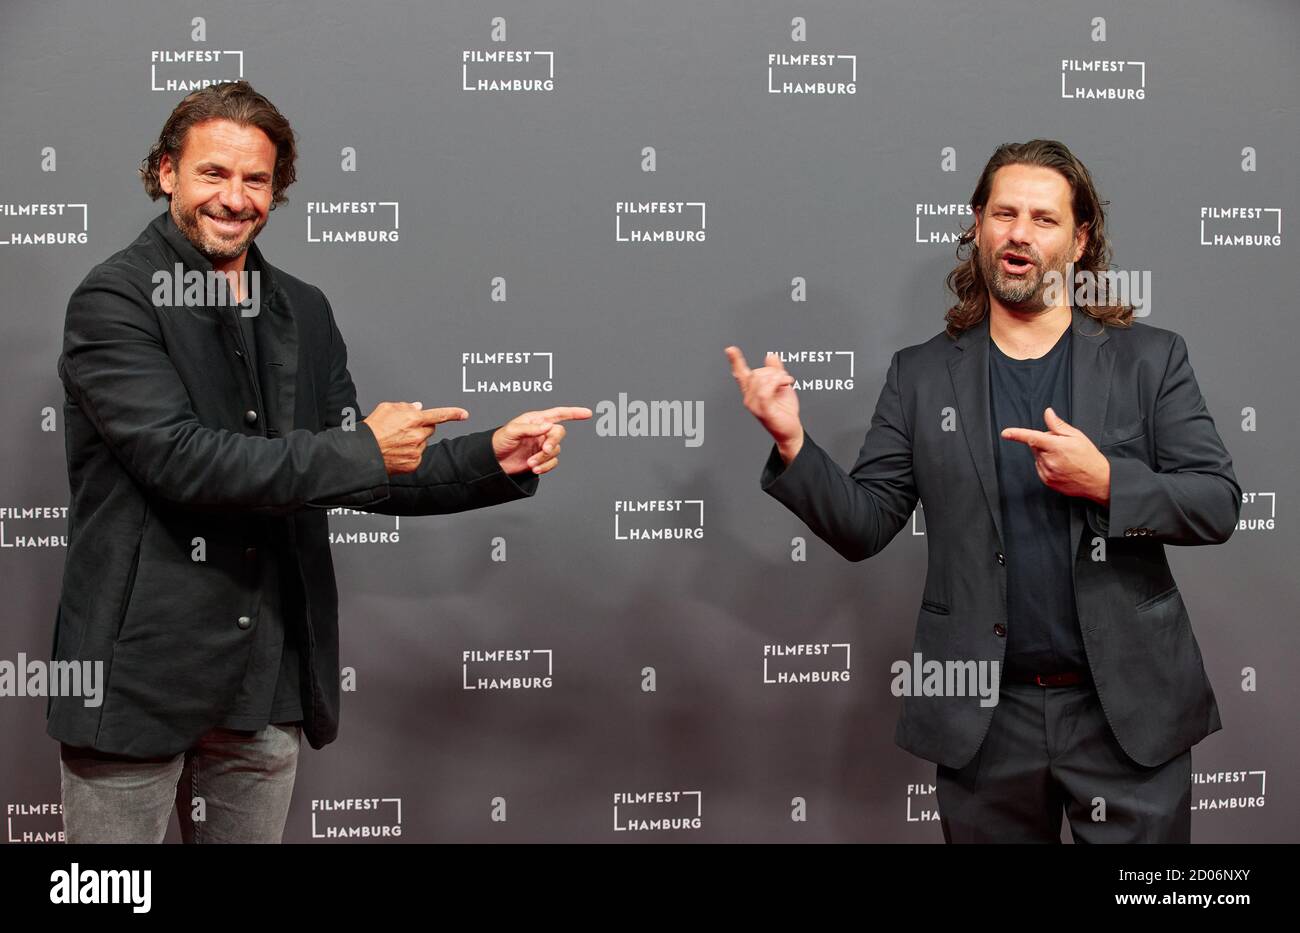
220,188
1026,230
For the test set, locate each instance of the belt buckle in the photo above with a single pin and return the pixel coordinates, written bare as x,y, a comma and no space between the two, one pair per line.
1056,680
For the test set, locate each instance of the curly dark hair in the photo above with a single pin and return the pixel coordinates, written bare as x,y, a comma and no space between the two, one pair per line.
235,101
966,281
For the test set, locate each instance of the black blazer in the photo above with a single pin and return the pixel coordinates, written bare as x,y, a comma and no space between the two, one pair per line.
1134,395
170,439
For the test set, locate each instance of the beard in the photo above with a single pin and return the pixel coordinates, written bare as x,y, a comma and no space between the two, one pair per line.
215,247
1023,292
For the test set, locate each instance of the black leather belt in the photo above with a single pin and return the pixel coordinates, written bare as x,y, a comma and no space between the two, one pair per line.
1066,679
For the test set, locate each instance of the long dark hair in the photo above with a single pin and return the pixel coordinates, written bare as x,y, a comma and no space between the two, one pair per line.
967,282
235,101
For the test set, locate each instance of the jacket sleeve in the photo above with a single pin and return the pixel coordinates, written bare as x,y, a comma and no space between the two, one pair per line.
116,368
1192,497
455,474
857,513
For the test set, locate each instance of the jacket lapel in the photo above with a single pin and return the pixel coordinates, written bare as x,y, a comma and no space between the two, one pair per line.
969,368
1091,365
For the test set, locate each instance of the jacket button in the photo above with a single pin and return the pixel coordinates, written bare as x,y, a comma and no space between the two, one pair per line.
250,416
1002,559
250,553
1000,630
245,622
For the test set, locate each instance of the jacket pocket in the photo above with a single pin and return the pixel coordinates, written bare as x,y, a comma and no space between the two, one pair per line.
1113,437
1157,599
131,574
930,605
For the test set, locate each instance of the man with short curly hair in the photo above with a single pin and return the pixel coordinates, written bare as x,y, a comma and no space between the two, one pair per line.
211,422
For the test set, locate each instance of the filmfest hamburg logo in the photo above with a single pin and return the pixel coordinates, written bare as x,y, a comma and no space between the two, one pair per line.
356,818
1259,511
1101,79
812,73
658,519
353,222
506,669
194,69
34,822
17,532
651,222
649,811
920,804
52,224
835,369
1241,226
937,223
806,663
507,70
372,535
507,371
1228,790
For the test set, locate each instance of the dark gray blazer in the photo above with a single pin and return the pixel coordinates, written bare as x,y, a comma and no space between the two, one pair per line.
170,439
1134,395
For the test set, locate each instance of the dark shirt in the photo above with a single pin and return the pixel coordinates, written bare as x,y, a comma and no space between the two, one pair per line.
271,688
1042,621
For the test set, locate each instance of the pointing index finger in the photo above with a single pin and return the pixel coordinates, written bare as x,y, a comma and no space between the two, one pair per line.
565,413
1034,439
429,416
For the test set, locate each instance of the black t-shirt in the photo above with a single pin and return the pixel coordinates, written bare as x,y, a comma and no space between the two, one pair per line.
1042,620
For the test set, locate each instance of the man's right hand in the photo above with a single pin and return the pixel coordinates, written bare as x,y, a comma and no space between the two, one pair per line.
768,393
402,430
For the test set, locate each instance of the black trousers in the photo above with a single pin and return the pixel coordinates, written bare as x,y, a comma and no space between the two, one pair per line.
1048,750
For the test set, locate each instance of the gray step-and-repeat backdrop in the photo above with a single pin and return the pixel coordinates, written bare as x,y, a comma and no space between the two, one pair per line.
819,157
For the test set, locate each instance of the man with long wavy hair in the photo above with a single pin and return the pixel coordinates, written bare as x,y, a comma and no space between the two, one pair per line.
1058,446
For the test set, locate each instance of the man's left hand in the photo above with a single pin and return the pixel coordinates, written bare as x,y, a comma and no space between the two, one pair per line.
1065,459
532,440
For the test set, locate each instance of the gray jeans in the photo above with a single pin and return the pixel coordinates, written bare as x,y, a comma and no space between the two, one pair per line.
233,786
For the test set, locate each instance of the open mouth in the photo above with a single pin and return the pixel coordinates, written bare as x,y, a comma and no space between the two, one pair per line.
1016,264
